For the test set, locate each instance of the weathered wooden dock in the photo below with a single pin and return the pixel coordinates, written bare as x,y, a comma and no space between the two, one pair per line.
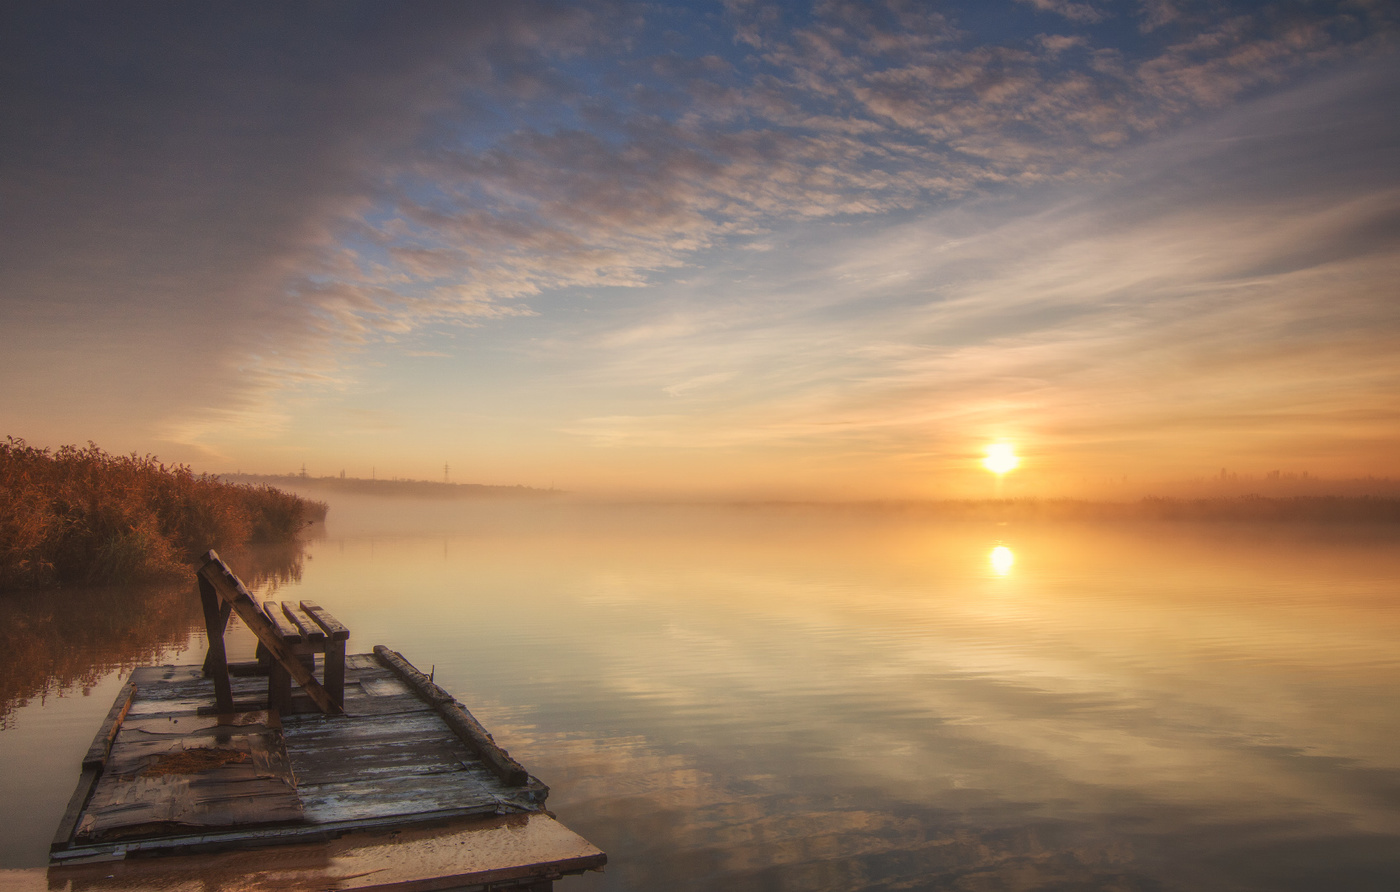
385,782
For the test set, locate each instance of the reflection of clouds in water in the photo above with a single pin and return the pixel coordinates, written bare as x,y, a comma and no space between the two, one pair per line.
702,819
744,699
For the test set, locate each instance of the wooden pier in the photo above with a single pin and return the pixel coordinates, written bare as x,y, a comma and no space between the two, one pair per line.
204,779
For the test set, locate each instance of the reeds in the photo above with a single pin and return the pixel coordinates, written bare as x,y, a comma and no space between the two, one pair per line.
80,515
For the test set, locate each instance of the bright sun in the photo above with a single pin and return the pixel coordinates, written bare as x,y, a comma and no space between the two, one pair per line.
1000,458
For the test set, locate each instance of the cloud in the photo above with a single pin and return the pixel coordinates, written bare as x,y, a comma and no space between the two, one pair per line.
858,110
1225,295
226,203
172,178
1075,12
698,382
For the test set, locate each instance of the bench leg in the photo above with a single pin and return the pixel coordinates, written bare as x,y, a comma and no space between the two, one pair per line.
279,687
222,622
335,672
216,661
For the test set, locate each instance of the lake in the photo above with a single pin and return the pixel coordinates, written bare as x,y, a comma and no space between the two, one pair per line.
839,699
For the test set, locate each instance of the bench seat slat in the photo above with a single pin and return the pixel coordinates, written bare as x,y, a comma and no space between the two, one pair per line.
332,626
311,632
290,633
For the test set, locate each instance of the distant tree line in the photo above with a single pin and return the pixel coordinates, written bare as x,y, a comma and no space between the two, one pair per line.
79,515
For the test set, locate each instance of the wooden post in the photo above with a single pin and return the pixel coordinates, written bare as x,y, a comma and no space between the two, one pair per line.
335,670
216,663
279,680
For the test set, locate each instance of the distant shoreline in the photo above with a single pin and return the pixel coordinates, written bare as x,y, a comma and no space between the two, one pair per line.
1252,508
1285,509
391,487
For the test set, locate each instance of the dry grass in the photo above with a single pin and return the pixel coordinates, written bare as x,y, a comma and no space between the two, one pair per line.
80,515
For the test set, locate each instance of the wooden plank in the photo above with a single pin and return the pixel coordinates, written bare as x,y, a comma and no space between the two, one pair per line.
189,726
231,590
146,708
390,749
380,797
224,775
290,633
343,765
205,841
145,807
463,723
366,663
332,626
362,707
149,675
250,694
336,635
102,743
153,680
186,693
63,837
386,686
368,729
308,628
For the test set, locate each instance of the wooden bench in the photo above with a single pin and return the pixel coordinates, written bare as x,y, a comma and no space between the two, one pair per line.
289,638
307,630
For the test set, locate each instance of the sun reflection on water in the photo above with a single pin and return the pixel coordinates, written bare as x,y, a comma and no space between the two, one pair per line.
1001,559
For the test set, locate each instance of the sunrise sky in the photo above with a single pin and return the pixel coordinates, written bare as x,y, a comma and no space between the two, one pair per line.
829,250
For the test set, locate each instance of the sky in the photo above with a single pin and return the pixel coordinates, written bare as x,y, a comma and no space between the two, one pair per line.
828,250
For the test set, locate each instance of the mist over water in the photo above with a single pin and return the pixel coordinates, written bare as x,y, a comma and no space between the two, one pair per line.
781,698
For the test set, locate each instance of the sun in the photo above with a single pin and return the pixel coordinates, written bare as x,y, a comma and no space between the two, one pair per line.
1000,458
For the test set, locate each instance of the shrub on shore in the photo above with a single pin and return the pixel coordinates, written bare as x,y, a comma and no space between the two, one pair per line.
80,515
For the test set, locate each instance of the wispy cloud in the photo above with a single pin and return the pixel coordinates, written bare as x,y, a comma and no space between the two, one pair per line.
1191,309
860,110
1075,12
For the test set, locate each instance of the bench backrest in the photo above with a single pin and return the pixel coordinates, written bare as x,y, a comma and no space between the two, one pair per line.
223,592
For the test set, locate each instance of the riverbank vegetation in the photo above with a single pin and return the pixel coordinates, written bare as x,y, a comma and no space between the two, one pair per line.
79,515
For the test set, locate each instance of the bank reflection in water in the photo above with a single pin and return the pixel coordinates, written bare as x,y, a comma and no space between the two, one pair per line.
63,640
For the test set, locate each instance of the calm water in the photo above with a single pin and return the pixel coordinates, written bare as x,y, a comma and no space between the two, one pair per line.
780,699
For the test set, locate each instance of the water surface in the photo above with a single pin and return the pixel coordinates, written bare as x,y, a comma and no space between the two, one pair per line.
854,700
